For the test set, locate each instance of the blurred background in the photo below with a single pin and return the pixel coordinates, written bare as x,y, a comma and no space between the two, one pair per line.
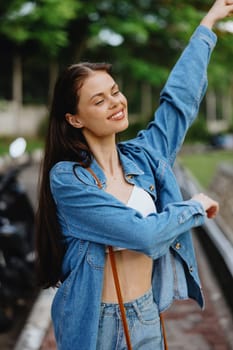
142,39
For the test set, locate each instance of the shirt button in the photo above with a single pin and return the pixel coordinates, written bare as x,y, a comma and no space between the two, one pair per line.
152,188
129,177
178,246
190,268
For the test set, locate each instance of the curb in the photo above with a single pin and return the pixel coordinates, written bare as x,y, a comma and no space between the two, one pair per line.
39,319
37,323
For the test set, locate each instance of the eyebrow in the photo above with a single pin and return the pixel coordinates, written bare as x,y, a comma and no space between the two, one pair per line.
102,93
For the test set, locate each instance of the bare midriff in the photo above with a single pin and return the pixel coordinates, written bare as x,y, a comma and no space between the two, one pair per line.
134,268
134,272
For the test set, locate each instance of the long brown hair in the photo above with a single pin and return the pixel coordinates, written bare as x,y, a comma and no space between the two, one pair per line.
63,142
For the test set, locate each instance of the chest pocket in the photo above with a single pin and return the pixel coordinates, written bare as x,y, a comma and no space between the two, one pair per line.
96,256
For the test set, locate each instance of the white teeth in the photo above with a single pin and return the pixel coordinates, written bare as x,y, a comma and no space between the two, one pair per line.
117,115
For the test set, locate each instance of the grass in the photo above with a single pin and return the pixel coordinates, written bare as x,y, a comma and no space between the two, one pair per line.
32,144
203,166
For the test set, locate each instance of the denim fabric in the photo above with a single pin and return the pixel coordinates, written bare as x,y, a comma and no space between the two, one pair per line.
90,218
143,322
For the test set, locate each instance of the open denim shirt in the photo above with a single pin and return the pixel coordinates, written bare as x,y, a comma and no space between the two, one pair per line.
91,218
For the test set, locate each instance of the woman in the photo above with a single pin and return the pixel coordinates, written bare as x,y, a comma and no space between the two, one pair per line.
138,208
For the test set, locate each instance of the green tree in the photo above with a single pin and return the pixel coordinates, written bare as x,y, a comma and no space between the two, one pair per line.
34,25
142,38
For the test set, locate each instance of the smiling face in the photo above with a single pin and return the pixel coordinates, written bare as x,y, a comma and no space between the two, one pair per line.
102,108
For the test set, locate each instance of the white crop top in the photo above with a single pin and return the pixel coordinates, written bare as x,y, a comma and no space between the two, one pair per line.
142,202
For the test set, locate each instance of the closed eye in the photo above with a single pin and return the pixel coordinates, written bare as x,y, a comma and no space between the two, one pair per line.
99,102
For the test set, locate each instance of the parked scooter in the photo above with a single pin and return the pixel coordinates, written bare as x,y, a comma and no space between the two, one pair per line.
16,239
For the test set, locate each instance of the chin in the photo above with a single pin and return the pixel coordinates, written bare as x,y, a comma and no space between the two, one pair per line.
121,132
124,125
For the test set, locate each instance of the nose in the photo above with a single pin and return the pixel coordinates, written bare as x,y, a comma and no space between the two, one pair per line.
113,101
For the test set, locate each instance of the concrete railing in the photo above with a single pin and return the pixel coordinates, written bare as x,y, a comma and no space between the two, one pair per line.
218,235
23,120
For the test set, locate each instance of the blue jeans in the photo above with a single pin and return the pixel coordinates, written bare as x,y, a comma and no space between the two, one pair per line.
143,321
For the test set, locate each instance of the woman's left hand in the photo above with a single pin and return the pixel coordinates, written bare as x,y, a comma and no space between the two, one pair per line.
210,206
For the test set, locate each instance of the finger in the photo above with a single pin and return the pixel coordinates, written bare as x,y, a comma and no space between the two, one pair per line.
211,214
212,211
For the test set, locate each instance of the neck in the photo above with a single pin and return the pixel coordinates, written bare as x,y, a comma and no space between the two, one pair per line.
105,153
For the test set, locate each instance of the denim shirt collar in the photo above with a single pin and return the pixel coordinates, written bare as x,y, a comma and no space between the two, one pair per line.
129,168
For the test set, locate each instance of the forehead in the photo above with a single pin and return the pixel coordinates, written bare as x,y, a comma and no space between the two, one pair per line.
96,83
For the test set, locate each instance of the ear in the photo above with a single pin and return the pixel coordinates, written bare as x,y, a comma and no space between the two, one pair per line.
73,120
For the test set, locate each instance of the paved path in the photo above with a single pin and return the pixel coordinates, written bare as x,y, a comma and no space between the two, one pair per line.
189,328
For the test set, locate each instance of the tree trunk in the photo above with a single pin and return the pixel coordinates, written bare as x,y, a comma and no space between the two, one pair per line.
211,106
146,101
17,89
227,107
53,73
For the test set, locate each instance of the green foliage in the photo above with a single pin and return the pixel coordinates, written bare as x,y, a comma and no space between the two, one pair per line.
4,145
230,129
221,62
132,130
32,144
43,127
41,21
198,132
153,34
141,70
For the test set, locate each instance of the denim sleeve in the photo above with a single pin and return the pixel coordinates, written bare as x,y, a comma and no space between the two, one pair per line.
91,214
181,97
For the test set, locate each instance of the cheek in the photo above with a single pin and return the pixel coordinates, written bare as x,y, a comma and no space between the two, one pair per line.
94,118
124,100
90,115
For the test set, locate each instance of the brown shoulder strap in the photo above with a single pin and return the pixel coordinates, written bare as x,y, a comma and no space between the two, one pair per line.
164,332
118,288
120,299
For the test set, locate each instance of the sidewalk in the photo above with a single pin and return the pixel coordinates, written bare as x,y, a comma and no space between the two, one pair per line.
189,328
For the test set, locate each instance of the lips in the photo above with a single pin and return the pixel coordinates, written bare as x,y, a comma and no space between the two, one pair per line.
117,116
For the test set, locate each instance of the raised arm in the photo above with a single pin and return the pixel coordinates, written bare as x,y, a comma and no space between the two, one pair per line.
181,97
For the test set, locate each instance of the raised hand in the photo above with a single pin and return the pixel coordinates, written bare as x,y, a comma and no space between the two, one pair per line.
219,10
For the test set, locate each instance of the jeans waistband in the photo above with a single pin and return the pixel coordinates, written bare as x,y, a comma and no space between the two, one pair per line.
147,297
